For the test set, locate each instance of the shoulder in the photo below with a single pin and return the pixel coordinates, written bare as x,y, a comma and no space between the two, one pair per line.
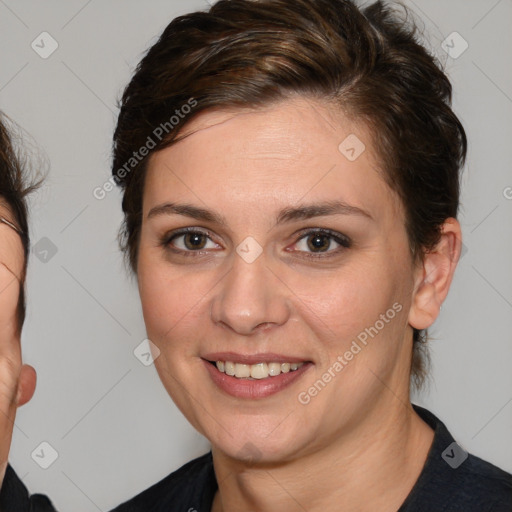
481,482
14,496
476,485
453,480
185,489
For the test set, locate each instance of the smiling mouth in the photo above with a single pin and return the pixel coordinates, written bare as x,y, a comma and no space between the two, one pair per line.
256,371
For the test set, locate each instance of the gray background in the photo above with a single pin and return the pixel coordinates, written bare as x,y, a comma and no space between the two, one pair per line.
107,415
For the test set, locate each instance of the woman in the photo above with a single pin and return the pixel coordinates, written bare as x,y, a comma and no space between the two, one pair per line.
291,185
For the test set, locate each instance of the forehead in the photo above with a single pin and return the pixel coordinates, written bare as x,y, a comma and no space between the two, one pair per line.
292,151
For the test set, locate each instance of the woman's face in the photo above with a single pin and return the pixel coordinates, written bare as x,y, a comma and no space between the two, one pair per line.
267,274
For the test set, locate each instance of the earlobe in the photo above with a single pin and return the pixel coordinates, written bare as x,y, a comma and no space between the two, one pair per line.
26,385
434,276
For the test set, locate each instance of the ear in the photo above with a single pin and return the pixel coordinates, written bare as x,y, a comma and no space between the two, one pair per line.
26,385
433,277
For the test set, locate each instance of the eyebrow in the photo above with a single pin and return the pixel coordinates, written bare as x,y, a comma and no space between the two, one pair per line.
286,215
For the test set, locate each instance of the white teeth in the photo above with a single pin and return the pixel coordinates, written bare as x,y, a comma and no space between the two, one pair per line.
255,371
229,368
285,367
242,370
274,369
259,371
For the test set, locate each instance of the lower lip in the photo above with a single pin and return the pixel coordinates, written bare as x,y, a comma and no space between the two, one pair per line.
254,388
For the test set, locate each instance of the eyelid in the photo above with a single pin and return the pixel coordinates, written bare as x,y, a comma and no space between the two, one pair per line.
325,231
170,236
344,241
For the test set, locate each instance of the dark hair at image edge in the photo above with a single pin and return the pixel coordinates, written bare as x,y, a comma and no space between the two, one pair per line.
16,184
249,54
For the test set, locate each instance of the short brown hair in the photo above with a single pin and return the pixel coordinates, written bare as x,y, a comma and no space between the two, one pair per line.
248,54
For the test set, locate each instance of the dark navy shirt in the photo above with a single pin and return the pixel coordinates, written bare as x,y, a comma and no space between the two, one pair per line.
451,481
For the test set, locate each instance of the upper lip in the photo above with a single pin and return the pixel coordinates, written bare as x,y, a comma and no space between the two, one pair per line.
264,357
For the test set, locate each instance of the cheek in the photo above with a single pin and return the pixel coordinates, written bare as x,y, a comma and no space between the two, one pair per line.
173,302
341,303
358,313
357,319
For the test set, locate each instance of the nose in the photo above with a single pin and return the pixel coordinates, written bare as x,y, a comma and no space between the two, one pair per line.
250,298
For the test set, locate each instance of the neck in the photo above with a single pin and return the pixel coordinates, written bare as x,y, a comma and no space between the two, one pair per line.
379,461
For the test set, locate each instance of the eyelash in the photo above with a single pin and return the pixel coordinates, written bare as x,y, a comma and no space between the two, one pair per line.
339,238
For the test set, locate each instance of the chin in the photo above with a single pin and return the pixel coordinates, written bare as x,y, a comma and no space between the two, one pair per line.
254,447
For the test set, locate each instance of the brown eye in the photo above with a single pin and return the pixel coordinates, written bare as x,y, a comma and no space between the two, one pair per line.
194,241
188,242
320,242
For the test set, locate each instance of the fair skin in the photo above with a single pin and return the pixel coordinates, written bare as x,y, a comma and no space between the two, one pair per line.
18,381
357,445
